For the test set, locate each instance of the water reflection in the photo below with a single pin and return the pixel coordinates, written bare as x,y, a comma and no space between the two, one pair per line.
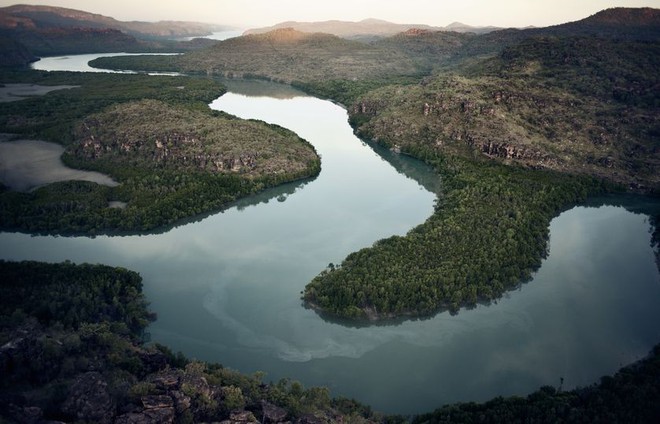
261,88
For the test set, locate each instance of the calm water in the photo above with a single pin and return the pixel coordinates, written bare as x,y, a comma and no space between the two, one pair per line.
27,164
226,288
79,63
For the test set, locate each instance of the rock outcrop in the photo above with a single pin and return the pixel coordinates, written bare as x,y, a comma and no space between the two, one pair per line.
89,399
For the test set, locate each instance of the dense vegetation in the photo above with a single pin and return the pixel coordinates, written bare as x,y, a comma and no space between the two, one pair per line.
284,55
630,396
173,157
72,351
71,335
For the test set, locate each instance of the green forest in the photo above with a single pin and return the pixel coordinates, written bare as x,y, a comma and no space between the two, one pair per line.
519,124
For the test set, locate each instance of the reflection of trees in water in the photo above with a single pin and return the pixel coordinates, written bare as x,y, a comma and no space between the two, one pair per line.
261,88
637,204
279,193
411,168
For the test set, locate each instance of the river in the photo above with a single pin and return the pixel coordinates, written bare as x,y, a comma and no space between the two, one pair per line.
226,287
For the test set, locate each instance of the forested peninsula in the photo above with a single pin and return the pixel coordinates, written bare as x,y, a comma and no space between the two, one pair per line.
172,156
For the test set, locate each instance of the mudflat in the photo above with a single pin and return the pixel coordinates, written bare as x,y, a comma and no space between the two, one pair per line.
27,164
15,92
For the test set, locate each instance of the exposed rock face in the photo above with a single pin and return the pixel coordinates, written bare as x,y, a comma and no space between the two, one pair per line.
89,399
240,417
272,413
528,123
311,419
174,138
149,416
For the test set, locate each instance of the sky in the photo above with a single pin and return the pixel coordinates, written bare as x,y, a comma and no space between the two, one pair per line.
253,13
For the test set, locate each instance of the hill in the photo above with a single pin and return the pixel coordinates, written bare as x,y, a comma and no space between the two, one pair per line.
288,55
48,31
366,30
577,105
640,24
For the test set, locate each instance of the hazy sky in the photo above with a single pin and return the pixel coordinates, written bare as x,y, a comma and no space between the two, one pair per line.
250,13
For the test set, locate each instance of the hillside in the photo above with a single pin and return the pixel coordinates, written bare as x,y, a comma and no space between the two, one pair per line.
73,351
580,106
13,53
49,31
639,24
288,55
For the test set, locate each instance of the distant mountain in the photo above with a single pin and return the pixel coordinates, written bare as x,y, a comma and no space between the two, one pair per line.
47,31
13,53
289,55
461,27
367,29
639,24
619,22
45,17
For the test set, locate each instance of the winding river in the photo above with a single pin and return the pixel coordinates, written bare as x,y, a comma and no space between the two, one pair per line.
226,287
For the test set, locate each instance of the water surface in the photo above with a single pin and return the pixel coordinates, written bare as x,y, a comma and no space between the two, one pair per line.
27,164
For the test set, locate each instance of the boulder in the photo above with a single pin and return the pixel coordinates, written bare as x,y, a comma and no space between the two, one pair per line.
149,416
272,413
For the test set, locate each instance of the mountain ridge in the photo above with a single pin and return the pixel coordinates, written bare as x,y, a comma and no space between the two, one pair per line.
368,29
48,16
